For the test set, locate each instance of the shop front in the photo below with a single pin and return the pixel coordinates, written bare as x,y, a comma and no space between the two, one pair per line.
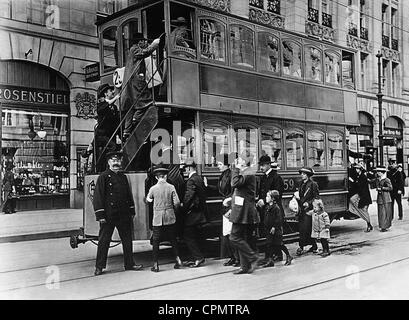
35,111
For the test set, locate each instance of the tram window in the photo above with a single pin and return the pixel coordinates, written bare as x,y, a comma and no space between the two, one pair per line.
316,149
348,69
271,144
335,150
110,49
129,30
242,46
215,139
212,40
313,62
294,148
268,52
246,138
332,69
291,58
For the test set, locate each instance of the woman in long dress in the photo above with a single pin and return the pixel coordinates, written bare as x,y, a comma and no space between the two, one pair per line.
361,199
384,186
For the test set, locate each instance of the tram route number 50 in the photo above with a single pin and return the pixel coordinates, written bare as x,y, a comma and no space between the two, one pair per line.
289,185
118,77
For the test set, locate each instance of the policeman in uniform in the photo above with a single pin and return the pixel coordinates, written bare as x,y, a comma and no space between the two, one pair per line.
114,208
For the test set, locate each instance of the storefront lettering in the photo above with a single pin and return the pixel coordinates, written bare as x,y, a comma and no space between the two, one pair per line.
33,96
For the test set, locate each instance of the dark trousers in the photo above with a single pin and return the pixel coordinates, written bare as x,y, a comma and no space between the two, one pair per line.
164,232
325,245
227,250
106,230
398,198
133,118
194,239
9,206
239,237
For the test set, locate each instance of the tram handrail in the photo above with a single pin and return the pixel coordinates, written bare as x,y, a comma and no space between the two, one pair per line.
131,108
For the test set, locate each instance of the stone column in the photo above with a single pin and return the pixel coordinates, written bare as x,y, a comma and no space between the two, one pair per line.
404,15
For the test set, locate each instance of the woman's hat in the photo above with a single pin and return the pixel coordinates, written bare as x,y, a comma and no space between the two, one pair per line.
179,20
359,166
160,170
380,169
309,171
139,36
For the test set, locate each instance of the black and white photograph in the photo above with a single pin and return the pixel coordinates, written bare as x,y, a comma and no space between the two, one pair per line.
201,156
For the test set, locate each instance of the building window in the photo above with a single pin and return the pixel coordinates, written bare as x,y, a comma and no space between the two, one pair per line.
245,137
363,20
385,26
257,3
110,49
316,149
129,30
212,40
332,68
395,79
394,31
320,11
385,75
291,58
294,145
273,6
242,46
313,12
271,144
106,6
364,70
313,63
348,69
268,52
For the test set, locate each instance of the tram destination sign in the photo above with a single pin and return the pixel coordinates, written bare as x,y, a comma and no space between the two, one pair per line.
17,95
92,72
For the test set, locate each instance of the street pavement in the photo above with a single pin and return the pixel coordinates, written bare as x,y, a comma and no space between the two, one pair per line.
362,266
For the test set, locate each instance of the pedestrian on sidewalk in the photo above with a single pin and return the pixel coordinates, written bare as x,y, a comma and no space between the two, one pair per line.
165,203
384,187
307,193
273,225
244,215
320,225
398,185
114,208
361,198
9,187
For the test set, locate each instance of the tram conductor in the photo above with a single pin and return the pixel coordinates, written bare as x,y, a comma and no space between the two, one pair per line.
114,208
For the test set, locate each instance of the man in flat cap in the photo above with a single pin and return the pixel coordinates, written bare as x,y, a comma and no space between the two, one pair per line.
194,207
136,95
114,208
307,193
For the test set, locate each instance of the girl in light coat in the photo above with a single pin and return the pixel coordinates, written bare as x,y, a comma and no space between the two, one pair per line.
320,225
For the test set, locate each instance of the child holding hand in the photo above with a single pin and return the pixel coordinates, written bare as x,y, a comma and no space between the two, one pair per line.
320,225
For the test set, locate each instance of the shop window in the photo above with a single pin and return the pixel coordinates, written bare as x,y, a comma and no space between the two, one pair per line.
294,144
316,149
313,64
212,40
215,143
271,144
291,59
332,68
110,49
242,46
41,164
246,138
268,52
348,78
335,150
129,30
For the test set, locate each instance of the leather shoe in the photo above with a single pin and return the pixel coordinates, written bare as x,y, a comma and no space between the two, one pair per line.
197,263
236,264
241,271
135,267
229,263
177,266
98,271
254,265
155,269
268,264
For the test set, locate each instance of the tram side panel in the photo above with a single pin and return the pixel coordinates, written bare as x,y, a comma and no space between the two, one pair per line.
140,222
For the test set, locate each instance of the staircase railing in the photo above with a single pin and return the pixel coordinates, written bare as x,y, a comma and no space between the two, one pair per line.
131,109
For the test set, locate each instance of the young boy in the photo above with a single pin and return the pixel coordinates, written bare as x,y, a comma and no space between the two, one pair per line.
320,225
165,202
273,223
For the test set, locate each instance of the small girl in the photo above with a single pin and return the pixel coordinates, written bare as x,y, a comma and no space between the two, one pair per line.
320,225
273,224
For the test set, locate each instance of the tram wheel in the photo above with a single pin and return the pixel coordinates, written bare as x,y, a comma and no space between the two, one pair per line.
74,241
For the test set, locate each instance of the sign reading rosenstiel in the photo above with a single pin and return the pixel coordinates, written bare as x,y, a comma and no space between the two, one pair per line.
15,94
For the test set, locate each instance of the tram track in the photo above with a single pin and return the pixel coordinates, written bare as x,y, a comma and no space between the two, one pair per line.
334,249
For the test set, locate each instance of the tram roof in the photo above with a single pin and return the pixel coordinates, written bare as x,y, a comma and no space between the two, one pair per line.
145,3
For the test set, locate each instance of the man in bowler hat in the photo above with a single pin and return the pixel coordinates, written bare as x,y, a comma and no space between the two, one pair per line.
114,208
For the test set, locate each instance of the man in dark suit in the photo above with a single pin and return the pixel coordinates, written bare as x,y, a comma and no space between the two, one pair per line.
243,212
271,180
194,207
398,184
114,208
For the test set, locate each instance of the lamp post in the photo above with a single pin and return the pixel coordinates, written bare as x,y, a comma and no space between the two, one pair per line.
379,95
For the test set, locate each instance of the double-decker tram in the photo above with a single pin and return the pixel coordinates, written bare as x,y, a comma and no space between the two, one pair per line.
226,84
